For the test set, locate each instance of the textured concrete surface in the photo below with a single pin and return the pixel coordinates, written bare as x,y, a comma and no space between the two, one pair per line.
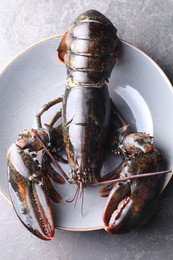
147,25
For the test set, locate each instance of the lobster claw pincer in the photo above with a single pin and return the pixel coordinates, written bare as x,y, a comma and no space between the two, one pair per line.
27,193
131,203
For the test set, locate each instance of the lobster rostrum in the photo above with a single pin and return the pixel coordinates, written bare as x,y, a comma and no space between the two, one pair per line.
91,124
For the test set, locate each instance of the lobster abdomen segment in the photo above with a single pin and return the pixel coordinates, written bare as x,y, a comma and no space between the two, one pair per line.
89,49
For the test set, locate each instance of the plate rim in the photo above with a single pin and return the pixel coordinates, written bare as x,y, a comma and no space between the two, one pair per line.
60,35
163,74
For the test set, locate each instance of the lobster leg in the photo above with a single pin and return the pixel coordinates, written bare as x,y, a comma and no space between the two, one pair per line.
123,140
56,141
45,108
35,140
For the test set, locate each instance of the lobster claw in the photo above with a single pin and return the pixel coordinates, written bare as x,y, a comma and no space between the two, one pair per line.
118,206
27,193
131,203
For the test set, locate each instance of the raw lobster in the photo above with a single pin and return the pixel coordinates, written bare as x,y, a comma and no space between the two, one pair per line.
90,126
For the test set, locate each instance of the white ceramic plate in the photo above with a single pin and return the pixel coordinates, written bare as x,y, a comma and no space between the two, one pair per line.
138,86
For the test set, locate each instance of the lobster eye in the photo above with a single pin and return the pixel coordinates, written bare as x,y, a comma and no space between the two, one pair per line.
141,141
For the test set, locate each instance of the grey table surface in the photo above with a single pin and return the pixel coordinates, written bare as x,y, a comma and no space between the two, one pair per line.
147,25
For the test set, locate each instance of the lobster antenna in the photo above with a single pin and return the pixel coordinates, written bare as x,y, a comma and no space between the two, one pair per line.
81,196
149,174
82,203
79,193
75,196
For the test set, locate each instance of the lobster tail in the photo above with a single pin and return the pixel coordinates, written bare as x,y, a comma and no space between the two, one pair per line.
92,46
